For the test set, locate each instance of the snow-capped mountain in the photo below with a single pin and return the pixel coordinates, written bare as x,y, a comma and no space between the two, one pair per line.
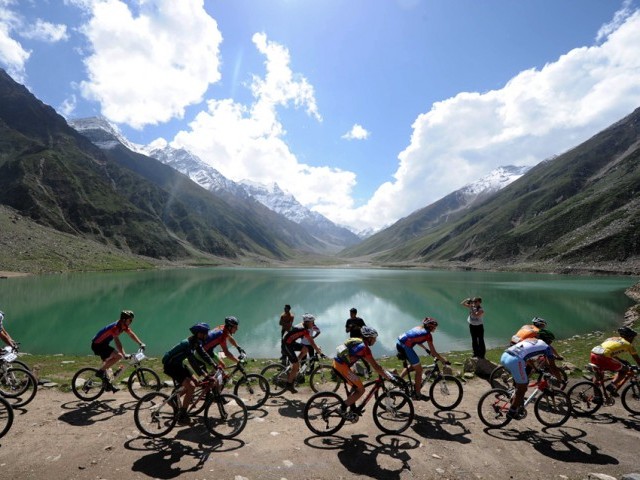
112,135
495,180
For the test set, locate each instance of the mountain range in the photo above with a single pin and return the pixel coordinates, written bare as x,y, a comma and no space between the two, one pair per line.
89,188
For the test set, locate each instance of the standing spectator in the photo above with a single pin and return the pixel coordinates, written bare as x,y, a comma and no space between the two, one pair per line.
476,325
354,324
286,322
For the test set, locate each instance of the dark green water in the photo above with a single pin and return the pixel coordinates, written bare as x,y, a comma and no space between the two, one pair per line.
61,313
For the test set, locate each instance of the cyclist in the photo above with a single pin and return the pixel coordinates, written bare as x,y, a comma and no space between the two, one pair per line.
605,356
417,336
307,349
349,352
190,349
4,335
220,335
531,331
515,358
291,344
100,345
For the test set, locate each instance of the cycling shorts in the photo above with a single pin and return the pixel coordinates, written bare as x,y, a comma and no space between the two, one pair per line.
103,350
347,374
516,366
605,363
178,372
290,350
409,352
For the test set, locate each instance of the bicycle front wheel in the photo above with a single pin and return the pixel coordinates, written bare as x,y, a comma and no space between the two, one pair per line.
322,413
493,407
86,385
277,377
325,379
6,417
552,408
142,381
253,389
446,392
225,416
19,385
155,414
630,398
393,412
586,398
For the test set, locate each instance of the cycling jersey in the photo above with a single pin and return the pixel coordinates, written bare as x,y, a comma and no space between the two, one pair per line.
296,333
187,349
109,332
215,337
415,336
351,351
1,320
529,348
314,331
613,347
526,331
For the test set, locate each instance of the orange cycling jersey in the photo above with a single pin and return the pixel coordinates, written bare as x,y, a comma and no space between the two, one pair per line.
526,331
613,347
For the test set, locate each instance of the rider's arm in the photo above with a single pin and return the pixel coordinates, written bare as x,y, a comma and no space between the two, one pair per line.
434,353
226,351
6,338
636,357
118,343
134,337
553,368
316,347
376,366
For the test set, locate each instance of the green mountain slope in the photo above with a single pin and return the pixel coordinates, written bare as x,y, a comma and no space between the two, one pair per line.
579,208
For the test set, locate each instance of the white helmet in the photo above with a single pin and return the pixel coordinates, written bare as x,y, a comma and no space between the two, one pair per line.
307,317
368,332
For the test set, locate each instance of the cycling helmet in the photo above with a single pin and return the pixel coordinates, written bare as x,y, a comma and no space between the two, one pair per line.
368,332
199,328
546,336
126,314
429,322
539,322
231,322
627,333
307,317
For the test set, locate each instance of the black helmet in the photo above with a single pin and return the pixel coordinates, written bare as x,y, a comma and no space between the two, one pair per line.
546,335
124,314
199,328
231,322
627,333
539,322
429,322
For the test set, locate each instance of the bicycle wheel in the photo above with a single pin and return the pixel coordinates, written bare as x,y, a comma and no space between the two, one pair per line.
23,385
322,413
13,382
586,398
393,412
277,377
142,381
493,407
225,416
155,414
325,379
630,398
253,389
86,385
553,407
6,417
501,378
446,392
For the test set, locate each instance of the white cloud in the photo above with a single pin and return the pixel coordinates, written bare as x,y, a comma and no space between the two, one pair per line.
246,142
537,114
68,106
45,31
13,56
147,66
357,132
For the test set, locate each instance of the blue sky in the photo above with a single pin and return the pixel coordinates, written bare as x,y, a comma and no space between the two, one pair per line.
364,110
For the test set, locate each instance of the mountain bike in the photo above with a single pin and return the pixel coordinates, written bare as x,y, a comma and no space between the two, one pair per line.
6,416
445,391
326,412
588,396
501,377
252,388
225,415
551,406
16,383
16,363
277,374
87,386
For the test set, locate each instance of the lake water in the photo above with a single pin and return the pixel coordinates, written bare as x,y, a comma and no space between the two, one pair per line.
61,313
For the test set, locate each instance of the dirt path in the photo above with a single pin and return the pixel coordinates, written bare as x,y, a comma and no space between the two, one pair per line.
57,437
